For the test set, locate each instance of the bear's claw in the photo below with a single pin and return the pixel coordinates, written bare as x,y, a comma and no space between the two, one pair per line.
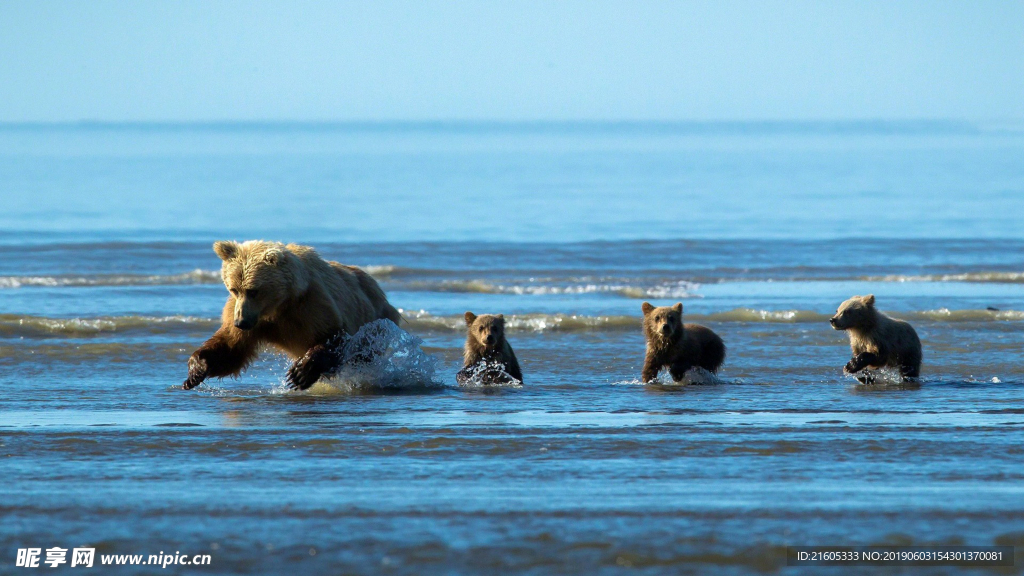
308,369
197,371
317,361
296,378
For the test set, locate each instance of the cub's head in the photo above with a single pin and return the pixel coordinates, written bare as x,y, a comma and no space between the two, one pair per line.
857,312
663,323
261,276
488,330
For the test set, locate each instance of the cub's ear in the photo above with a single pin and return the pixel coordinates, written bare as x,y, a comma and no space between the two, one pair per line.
501,317
646,307
226,249
470,318
678,307
869,299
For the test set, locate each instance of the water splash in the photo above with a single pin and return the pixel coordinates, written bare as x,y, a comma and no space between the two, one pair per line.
882,377
487,375
700,376
694,376
381,356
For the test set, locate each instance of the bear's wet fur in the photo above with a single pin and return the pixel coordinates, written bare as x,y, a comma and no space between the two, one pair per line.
290,298
876,340
676,345
486,343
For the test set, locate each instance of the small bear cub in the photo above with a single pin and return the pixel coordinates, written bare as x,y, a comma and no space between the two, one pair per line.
486,344
877,340
676,345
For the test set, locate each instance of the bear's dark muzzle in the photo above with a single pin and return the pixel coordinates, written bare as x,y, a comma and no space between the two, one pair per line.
243,324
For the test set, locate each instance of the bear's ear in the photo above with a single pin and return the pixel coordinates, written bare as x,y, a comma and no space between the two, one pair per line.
646,307
869,300
226,249
470,318
678,307
501,317
274,256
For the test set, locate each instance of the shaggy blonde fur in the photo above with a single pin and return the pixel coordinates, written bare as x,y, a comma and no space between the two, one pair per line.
285,296
877,340
676,345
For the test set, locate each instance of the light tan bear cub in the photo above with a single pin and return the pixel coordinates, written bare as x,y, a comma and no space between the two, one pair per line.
877,340
290,298
486,343
676,345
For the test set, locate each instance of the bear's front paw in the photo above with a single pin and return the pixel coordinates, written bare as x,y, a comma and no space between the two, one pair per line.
197,371
851,367
306,370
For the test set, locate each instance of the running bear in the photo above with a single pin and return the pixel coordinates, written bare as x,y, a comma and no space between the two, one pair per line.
486,343
289,297
676,345
876,339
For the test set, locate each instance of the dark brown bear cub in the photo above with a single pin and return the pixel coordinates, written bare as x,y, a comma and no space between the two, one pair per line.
676,345
489,358
877,340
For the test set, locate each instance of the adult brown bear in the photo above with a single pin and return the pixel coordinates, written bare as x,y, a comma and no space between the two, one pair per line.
290,298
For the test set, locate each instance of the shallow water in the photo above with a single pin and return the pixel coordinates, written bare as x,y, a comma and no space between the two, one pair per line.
108,282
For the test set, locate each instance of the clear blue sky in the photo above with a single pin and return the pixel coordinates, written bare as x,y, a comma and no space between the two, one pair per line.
510,60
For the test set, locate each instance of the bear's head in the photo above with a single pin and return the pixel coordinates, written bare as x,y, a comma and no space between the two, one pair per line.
261,276
663,323
487,330
857,312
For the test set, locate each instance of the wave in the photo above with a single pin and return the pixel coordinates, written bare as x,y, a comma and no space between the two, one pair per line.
387,270
437,280
947,315
979,277
197,276
527,322
753,315
15,325
681,289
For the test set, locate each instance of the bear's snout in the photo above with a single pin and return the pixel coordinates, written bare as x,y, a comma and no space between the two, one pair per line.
490,339
243,324
834,322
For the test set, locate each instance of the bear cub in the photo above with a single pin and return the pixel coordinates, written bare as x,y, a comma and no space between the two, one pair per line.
676,345
486,344
877,340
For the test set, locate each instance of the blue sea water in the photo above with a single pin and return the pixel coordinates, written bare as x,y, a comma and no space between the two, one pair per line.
108,282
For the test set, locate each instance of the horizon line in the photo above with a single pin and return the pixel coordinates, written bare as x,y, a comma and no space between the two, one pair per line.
869,124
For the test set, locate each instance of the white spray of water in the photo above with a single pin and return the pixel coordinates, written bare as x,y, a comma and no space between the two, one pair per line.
885,376
487,375
695,376
381,356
